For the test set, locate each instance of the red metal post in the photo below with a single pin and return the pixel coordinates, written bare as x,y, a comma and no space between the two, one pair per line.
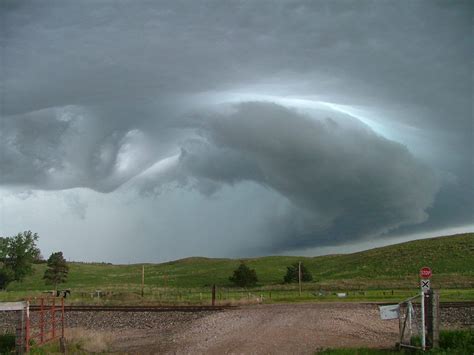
62,317
53,318
42,321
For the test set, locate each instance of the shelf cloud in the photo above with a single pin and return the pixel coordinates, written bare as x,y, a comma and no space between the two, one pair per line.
332,122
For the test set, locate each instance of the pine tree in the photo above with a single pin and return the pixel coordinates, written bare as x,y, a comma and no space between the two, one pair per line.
57,270
244,276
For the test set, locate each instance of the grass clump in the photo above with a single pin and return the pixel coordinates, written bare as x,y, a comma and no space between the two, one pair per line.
7,344
452,342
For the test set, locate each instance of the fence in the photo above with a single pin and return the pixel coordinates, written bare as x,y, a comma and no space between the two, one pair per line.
203,295
46,323
39,327
424,323
408,324
22,310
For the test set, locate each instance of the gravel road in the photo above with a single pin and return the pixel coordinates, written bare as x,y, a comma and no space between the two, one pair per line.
257,329
266,329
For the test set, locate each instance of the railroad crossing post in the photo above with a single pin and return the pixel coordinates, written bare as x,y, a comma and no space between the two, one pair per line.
425,283
432,318
430,311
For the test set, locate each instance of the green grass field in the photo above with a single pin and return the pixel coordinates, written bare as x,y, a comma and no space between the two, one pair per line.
369,275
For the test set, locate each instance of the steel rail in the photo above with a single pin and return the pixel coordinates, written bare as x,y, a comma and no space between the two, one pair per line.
451,304
97,308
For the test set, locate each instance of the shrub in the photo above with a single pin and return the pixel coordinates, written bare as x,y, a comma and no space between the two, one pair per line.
244,276
7,344
452,342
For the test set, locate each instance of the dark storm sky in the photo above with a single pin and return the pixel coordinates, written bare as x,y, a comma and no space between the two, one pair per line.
152,130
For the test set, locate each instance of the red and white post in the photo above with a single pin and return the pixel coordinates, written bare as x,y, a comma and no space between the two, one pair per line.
425,284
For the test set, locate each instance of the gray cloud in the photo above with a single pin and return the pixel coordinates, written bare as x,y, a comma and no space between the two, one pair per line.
124,95
345,180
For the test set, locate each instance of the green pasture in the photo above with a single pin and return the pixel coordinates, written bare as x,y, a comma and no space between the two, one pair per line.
371,275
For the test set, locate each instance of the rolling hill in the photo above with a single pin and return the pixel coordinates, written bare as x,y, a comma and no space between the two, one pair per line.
451,259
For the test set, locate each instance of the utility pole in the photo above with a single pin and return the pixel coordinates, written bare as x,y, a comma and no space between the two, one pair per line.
143,279
299,275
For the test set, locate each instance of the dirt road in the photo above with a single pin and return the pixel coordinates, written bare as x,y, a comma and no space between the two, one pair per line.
266,329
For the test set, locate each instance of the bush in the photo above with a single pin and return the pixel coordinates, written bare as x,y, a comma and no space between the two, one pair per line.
244,276
457,339
7,344
452,342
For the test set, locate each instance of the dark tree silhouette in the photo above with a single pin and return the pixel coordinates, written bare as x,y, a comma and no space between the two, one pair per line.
57,270
244,276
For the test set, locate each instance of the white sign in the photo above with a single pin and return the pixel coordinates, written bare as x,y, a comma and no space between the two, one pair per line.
425,285
390,312
12,306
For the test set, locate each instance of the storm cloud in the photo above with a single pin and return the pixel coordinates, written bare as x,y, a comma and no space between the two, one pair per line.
345,180
337,121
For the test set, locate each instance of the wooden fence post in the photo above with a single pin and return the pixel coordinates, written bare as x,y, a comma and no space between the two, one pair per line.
213,295
299,276
143,280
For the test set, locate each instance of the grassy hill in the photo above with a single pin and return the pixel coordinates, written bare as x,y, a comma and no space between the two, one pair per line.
451,259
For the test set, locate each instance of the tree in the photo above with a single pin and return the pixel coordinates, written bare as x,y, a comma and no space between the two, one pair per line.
17,255
57,270
292,274
244,276
6,276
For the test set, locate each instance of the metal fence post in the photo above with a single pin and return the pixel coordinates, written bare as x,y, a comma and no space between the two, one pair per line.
27,331
53,318
62,340
436,318
62,317
42,320
21,343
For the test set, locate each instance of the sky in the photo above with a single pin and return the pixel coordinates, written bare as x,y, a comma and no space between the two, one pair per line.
146,131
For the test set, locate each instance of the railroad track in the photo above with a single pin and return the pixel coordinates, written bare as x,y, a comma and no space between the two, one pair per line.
459,304
456,304
95,308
